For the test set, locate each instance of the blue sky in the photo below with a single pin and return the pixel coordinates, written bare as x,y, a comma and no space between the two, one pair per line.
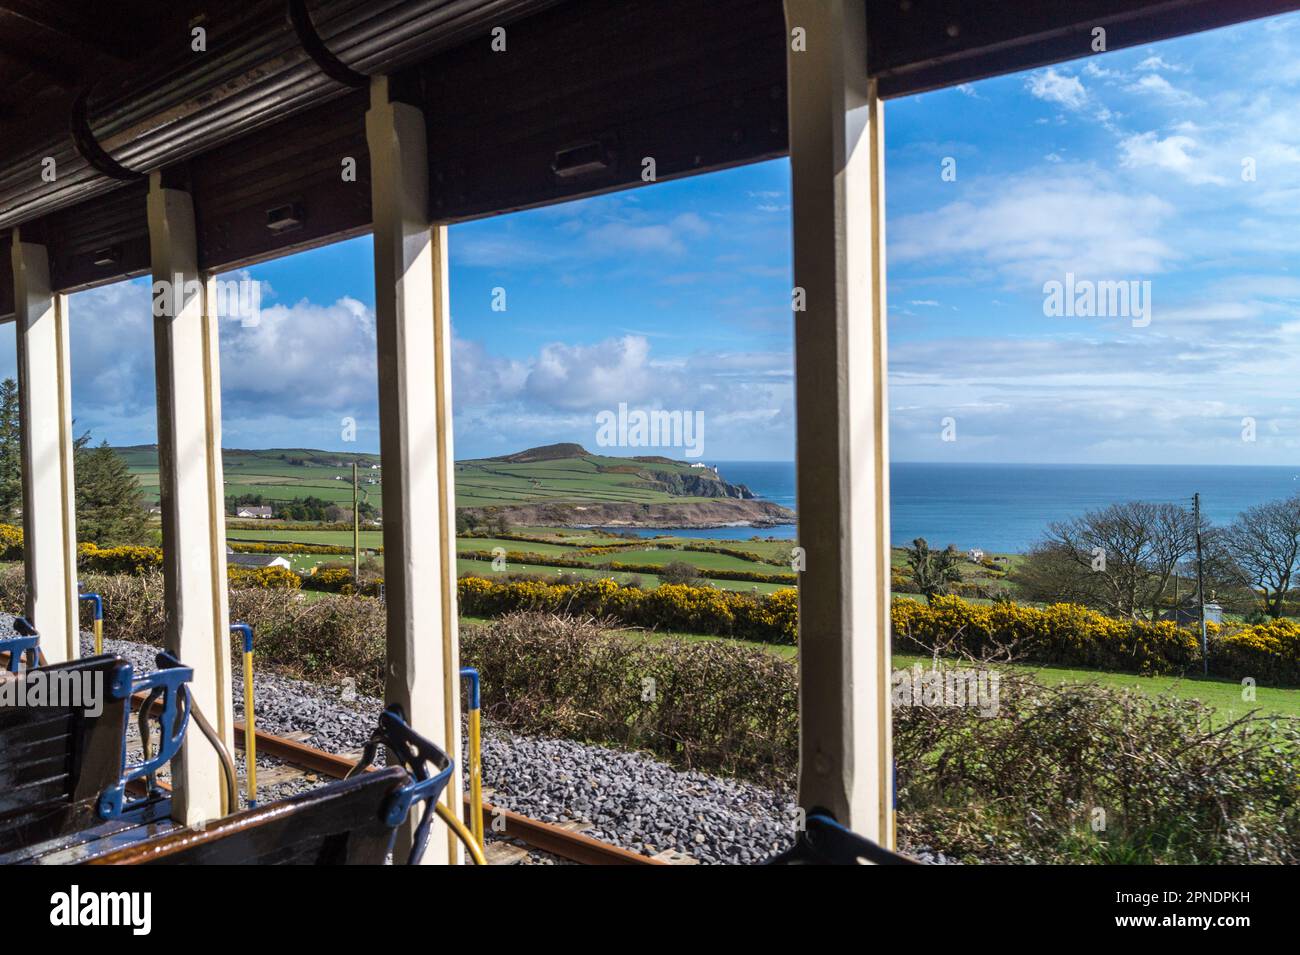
1125,167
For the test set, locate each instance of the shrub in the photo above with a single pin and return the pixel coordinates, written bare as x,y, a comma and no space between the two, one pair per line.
1026,783
713,706
295,547
266,578
128,559
1269,652
11,542
1065,634
679,572
330,579
767,618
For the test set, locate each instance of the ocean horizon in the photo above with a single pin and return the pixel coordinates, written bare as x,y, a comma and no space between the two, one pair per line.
1008,507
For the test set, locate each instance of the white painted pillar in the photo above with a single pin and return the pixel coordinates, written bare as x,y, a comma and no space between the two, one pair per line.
837,177
413,331
193,495
45,399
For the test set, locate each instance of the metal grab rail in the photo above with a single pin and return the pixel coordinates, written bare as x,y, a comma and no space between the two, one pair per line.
466,837
250,718
98,601
475,755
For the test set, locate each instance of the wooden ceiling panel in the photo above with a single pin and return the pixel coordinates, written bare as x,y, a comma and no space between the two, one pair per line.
919,45
590,90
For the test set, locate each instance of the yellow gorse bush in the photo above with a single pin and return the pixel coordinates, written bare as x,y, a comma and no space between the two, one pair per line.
11,542
267,578
1073,635
769,618
128,559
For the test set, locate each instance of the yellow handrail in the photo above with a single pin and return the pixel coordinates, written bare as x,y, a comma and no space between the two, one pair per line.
250,718
475,756
463,834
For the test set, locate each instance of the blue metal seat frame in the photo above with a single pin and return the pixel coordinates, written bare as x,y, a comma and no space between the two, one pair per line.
27,644
169,682
826,842
429,766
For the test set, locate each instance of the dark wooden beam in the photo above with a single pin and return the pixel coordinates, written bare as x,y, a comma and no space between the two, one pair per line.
98,242
292,173
588,90
58,73
99,32
919,45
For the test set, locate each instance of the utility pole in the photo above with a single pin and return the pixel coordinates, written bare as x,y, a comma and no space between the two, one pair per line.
356,529
1200,584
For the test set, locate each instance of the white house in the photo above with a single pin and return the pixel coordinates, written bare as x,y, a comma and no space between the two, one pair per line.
975,554
260,511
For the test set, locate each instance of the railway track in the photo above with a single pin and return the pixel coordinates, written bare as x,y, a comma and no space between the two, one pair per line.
505,829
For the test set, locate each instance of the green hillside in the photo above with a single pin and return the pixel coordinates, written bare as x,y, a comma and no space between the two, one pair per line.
563,473
568,473
278,474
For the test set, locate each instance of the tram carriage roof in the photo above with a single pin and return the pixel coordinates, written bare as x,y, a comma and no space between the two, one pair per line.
252,125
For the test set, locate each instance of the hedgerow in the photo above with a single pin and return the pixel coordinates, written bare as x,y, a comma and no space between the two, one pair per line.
294,547
1071,635
769,618
127,559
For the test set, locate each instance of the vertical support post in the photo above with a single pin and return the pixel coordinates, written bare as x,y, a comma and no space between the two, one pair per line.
413,333
837,189
45,411
186,365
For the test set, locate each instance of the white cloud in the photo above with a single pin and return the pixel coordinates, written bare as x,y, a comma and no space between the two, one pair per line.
1178,154
1156,62
1030,229
1156,85
1058,88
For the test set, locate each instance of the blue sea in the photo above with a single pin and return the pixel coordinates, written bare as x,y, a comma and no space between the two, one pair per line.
1007,507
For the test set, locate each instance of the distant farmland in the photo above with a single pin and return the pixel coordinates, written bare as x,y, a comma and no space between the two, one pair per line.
285,474
276,474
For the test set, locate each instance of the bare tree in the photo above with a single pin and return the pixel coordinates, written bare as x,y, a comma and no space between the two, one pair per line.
1120,559
1263,545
